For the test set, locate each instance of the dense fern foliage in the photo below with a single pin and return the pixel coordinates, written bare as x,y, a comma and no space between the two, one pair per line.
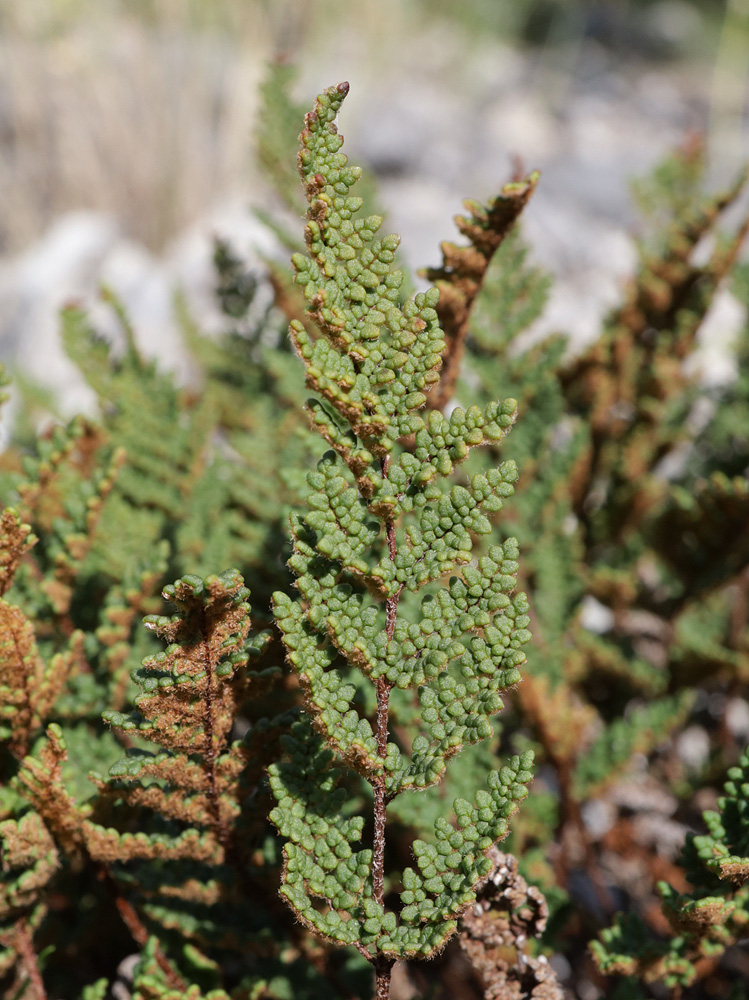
356,551
169,763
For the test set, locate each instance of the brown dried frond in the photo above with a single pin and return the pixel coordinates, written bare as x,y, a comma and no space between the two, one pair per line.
20,943
191,777
41,778
89,439
107,846
21,677
16,539
25,841
42,499
38,499
667,277
68,561
29,854
628,364
28,686
735,871
288,298
188,706
191,890
624,385
194,809
461,275
196,716
563,722
496,929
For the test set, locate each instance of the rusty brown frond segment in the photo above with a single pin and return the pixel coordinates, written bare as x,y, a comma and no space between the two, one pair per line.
461,275
27,848
667,278
188,704
42,781
21,672
196,780
77,544
37,503
16,539
195,712
29,862
18,945
494,933
624,384
28,686
75,449
108,846
287,298
62,500
57,825
561,719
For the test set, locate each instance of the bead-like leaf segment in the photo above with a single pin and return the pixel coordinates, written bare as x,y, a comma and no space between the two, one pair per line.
376,358
384,518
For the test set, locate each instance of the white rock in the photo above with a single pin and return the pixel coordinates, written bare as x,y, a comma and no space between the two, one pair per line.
643,794
713,361
561,966
594,616
63,266
674,22
693,746
599,815
666,835
737,718
188,261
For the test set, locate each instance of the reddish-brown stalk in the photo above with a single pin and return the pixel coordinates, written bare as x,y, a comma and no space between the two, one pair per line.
20,743
383,966
138,931
28,958
209,752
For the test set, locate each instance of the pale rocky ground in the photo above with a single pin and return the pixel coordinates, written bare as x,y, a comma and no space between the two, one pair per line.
437,116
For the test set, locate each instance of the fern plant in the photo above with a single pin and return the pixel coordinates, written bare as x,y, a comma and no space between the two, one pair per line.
635,508
404,632
380,524
195,787
704,922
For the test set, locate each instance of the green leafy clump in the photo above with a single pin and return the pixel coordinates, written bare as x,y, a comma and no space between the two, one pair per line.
631,515
379,524
413,591
704,922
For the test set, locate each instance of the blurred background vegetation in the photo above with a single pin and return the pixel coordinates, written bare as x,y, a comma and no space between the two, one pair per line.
144,108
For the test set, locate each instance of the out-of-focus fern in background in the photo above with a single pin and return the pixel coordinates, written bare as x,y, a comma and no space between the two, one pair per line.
82,81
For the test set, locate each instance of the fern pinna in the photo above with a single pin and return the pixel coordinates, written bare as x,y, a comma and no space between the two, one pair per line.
704,922
381,526
194,834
